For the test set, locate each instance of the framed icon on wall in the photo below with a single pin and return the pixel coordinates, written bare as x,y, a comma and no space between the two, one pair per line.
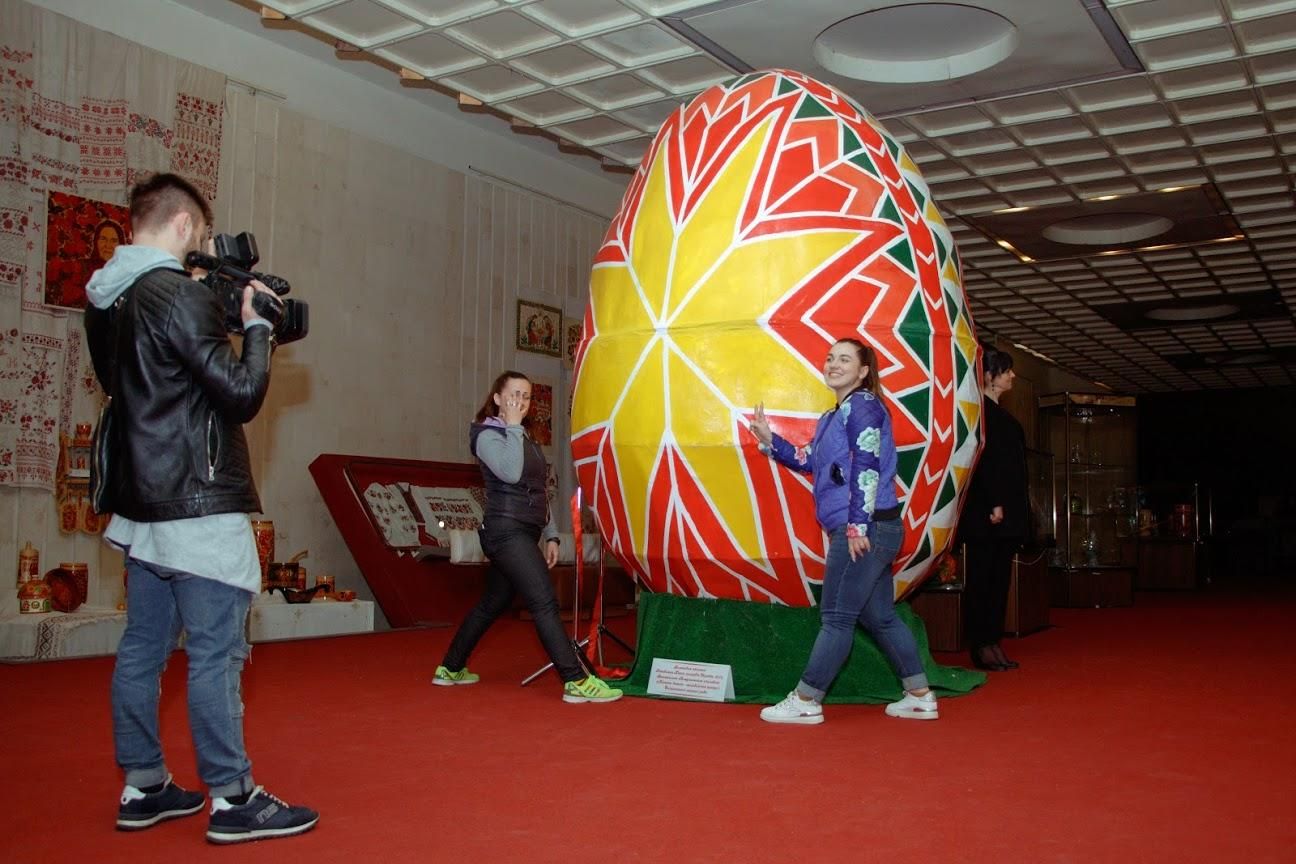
539,328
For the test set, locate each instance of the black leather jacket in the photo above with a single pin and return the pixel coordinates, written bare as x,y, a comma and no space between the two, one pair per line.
182,395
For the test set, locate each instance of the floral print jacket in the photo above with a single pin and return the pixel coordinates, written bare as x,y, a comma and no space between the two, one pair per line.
852,459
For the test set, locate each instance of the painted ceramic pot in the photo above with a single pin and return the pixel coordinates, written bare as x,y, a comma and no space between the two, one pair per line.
80,573
770,217
34,597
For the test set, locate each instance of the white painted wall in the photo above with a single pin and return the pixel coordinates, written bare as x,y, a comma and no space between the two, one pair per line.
412,272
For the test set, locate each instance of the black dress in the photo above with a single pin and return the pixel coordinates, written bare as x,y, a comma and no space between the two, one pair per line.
1000,480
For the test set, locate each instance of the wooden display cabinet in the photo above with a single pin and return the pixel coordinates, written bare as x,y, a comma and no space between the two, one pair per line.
1028,595
941,609
1172,563
941,606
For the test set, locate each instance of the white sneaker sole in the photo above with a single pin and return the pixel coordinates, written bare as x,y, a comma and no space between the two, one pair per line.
799,720
575,700
223,838
442,682
141,824
913,715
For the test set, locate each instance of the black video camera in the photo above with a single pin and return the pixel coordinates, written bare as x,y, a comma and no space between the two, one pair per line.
231,269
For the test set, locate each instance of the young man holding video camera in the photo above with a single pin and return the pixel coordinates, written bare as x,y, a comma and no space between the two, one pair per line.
179,483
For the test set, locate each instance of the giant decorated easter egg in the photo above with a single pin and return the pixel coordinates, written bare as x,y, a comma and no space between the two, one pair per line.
770,217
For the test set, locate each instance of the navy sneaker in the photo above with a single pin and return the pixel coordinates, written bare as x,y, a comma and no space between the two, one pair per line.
263,817
141,810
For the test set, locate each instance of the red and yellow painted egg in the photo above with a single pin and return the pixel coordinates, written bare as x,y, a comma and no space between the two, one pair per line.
770,217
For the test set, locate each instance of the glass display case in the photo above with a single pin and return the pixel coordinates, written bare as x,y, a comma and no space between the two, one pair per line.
1093,437
1175,521
1043,502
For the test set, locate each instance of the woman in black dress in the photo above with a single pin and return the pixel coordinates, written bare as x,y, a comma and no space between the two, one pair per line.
995,519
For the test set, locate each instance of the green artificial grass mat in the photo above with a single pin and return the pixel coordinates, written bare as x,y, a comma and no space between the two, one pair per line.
767,647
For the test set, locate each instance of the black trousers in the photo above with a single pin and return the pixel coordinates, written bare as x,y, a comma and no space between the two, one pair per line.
985,588
516,567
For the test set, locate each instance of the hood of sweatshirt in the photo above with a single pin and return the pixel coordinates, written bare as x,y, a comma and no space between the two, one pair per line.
127,264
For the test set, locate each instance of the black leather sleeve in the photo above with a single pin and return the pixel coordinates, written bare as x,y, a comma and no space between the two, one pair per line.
98,329
235,386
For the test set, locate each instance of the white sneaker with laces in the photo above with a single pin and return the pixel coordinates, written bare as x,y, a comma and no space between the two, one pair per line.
794,709
913,707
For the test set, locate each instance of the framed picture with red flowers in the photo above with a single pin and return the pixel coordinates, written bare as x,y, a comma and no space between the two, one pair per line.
80,236
539,328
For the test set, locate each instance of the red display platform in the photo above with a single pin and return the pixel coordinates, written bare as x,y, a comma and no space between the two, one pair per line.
412,593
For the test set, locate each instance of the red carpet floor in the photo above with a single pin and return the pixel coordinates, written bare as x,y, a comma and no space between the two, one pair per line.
1159,733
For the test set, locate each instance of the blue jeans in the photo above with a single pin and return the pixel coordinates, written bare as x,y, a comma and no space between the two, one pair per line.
861,590
161,602
516,567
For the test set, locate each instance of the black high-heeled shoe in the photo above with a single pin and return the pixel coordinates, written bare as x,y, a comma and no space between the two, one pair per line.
986,665
1002,659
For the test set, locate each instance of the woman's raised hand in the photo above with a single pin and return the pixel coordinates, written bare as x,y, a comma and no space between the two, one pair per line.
760,426
512,410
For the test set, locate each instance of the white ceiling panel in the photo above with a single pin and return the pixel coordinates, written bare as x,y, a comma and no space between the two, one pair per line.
563,65
641,45
581,17
362,23
1117,99
503,34
431,55
494,84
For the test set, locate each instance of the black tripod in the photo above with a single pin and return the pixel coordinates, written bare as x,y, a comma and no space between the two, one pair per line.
578,643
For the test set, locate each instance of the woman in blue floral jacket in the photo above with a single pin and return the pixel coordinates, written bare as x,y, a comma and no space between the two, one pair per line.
852,459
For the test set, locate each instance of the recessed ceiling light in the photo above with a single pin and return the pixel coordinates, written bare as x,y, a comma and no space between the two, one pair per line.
1107,229
1087,228
1213,312
916,43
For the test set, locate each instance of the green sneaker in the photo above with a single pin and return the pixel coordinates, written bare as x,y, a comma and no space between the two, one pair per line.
591,689
445,678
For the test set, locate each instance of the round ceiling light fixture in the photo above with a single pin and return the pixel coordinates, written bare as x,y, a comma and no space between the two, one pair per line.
1107,229
1213,312
1261,359
919,43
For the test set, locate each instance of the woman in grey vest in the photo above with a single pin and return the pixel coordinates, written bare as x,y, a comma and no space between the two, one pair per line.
516,518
